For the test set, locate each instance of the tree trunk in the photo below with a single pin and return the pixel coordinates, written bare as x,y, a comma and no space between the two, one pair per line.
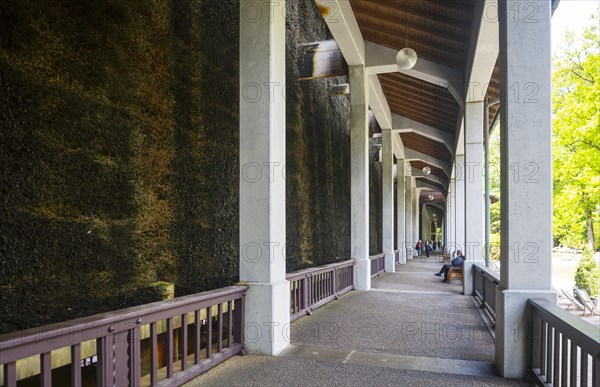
591,242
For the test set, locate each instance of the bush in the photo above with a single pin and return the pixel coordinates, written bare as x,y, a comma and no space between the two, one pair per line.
587,274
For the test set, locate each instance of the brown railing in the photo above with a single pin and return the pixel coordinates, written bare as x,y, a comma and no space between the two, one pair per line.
314,287
565,350
377,264
484,288
184,337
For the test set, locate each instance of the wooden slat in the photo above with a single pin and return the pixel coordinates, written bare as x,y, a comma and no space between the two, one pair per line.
135,356
583,369
549,354
153,355
76,365
198,338
10,374
170,348
557,349
184,341
209,339
574,364
230,324
564,361
220,325
46,369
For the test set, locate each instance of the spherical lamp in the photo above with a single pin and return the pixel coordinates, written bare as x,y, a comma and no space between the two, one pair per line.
406,58
426,171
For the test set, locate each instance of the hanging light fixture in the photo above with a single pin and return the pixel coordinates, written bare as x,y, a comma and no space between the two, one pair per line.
407,57
426,171
431,197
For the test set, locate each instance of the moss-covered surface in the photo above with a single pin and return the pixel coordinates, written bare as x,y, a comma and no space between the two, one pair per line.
318,157
119,154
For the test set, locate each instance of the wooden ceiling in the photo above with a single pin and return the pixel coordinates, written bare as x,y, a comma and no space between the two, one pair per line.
439,31
421,101
435,171
427,146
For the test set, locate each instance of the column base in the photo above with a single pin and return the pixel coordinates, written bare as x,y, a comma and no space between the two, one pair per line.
267,318
390,262
468,276
362,274
513,336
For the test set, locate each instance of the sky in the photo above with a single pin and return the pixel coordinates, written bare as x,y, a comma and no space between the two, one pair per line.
573,15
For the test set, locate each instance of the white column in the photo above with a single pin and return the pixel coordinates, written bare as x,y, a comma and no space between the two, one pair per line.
262,180
401,211
387,189
459,214
451,244
415,213
359,169
473,179
526,177
409,243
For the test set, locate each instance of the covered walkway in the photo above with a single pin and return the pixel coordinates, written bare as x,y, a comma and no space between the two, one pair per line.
409,329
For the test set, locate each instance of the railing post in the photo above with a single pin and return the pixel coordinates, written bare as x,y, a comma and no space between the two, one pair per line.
334,289
536,347
104,374
239,319
135,354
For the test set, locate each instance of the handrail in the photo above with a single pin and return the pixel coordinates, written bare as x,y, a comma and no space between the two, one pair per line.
117,336
484,288
377,264
553,361
314,287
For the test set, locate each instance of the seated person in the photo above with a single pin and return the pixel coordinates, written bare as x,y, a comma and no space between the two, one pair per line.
456,262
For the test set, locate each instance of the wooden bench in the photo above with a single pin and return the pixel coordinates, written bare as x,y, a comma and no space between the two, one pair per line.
455,271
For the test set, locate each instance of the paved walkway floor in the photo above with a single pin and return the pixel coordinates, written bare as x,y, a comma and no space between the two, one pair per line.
409,330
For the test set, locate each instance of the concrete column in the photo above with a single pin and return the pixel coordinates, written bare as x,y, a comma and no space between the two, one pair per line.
401,211
359,169
387,189
262,179
452,217
459,214
415,213
473,179
410,243
526,177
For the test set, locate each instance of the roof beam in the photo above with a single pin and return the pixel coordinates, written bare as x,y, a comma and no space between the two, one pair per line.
382,59
405,125
484,51
412,155
340,19
379,104
424,184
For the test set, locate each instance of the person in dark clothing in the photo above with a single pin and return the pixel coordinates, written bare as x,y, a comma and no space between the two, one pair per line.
456,262
428,248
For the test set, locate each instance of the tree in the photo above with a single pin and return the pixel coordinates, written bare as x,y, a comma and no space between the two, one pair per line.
576,139
587,274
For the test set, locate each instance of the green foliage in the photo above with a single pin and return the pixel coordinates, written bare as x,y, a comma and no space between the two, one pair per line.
576,139
587,274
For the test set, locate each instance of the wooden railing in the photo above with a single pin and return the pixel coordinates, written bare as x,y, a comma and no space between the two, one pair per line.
377,264
484,288
314,287
185,336
565,350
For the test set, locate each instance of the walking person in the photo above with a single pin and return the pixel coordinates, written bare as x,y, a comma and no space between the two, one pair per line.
419,247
